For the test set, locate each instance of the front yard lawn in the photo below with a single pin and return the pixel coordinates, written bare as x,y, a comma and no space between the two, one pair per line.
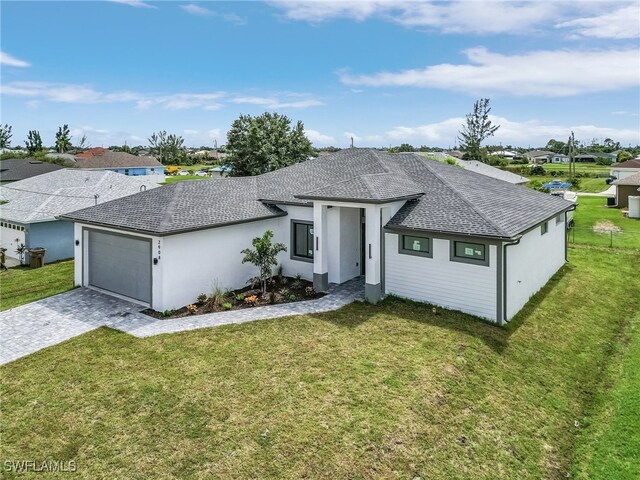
22,285
381,391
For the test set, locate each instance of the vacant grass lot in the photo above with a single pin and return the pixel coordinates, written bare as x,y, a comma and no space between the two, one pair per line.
593,210
179,178
22,285
365,392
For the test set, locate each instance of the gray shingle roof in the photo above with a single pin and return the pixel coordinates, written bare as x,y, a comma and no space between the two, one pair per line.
183,206
15,169
630,180
491,171
110,159
374,188
453,199
42,198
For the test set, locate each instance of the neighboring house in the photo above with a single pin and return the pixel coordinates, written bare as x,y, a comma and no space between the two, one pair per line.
558,158
16,169
591,157
490,171
505,154
538,156
414,227
29,216
626,169
627,186
121,162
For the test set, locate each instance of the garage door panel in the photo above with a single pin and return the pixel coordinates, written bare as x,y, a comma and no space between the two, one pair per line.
120,264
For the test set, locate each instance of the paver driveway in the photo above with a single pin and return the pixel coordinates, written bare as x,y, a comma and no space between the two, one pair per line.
32,327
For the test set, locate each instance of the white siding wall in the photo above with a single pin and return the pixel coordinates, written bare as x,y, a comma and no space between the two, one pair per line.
532,262
460,286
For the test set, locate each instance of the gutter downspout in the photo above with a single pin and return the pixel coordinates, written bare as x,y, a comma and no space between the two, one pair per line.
566,233
503,320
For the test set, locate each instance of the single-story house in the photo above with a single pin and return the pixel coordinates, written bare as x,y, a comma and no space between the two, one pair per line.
539,156
16,169
29,216
505,154
592,157
120,162
558,158
627,186
414,227
626,169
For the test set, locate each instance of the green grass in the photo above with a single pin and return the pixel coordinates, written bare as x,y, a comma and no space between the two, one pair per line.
22,285
381,391
612,447
180,178
590,185
592,210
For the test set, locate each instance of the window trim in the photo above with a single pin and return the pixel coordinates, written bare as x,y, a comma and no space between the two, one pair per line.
417,253
472,261
559,218
544,228
292,241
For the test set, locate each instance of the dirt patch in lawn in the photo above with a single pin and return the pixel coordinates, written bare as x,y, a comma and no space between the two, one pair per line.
279,290
606,226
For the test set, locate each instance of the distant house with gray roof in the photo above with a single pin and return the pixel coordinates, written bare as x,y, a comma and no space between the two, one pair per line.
99,158
411,226
29,215
16,169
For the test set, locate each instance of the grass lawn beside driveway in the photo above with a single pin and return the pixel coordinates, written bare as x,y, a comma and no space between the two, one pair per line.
20,285
179,178
381,391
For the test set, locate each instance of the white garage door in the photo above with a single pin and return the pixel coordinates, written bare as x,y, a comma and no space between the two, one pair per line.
120,264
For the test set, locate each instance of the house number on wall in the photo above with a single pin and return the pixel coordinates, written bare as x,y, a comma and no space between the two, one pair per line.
158,249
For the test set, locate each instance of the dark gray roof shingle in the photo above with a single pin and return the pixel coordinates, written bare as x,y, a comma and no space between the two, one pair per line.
15,169
451,199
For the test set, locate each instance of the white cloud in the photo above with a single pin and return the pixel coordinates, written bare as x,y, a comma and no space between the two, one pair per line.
534,133
273,103
194,9
479,17
9,61
545,73
621,23
316,137
134,3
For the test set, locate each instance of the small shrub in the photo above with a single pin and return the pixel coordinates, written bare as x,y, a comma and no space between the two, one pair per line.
218,296
537,170
292,297
296,284
167,313
271,297
285,292
284,281
310,291
450,161
202,298
251,300
227,306
240,297
192,308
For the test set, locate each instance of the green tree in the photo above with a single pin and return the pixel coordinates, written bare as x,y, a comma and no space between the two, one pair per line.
265,143
476,128
5,136
264,256
82,144
33,142
169,148
63,139
623,156
556,146
405,147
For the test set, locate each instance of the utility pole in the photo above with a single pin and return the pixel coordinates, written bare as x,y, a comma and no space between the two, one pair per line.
572,164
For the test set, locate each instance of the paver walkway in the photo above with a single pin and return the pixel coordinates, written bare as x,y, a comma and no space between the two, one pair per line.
32,327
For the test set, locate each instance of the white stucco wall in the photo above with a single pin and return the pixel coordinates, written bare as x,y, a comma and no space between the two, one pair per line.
343,229
623,172
282,233
532,262
460,286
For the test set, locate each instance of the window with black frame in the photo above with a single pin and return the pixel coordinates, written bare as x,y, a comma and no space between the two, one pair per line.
302,240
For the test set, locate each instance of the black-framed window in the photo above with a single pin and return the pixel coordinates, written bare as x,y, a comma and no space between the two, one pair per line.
414,245
468,252
544,228
302,240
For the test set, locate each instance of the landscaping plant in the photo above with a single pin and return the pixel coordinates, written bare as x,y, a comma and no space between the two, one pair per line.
264,256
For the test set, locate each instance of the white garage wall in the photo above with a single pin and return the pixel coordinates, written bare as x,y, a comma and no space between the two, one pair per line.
532,262
11,238
282,234
459,286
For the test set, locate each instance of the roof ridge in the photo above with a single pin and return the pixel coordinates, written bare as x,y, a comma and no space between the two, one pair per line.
382,163
461,195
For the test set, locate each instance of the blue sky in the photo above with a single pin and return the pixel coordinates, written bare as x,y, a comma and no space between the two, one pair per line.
383,73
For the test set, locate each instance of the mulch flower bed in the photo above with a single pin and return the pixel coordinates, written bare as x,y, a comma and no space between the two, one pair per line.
279,290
